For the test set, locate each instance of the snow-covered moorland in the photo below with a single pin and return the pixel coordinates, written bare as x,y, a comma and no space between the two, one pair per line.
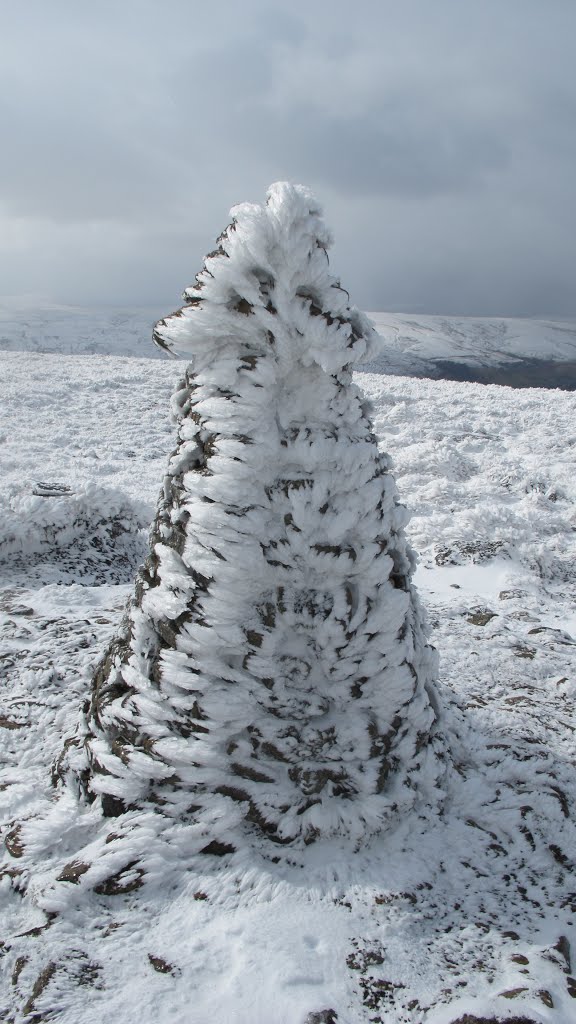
468,915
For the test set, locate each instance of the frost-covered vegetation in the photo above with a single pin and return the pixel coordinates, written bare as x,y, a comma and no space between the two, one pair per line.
459,915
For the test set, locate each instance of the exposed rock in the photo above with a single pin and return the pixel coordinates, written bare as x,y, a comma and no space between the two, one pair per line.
50,490
480,618
470,1019
18,968
524,652
162,966
7,723
477,552
73,871
13,842
127,880
563,945
40,984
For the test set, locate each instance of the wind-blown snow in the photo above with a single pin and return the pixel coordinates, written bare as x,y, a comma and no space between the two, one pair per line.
471,912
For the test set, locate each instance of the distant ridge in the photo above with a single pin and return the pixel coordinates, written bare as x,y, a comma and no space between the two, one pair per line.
73,330
490,350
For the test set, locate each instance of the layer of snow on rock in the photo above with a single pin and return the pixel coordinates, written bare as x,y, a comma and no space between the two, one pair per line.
471,913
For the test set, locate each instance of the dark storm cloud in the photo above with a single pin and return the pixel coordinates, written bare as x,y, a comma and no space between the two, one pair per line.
385,151
440,137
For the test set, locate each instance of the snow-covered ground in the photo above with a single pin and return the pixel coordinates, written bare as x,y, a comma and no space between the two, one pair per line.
467,914
511,351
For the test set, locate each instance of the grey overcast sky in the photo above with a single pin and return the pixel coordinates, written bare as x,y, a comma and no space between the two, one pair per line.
440,136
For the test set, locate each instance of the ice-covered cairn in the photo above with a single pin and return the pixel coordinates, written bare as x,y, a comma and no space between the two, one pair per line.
272,676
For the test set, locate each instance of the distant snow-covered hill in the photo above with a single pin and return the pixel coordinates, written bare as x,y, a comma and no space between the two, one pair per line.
516,352
72,330
512,351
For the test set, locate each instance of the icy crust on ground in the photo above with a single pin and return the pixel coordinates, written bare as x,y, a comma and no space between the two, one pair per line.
468,913
272,678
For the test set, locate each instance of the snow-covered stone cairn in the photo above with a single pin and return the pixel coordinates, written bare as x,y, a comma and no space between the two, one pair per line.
272,678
